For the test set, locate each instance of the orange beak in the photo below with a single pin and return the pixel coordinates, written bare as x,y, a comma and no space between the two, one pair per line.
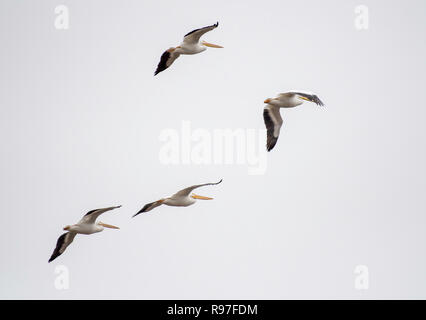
267,100
108,225
196,196
211,45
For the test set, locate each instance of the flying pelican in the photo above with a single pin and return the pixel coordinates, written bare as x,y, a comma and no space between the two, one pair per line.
182,198
272,116
191,45
87,225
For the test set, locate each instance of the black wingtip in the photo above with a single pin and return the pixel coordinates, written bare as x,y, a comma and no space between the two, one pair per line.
162,65
271,146
145,208
135,214
318,101
139,212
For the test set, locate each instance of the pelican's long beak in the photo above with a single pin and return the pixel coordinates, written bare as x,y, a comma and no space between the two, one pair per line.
267,100
304,98
108,225
211,45
196,196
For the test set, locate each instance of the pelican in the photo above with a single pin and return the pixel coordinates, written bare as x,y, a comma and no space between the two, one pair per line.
182,198
87,225
272,116
191,44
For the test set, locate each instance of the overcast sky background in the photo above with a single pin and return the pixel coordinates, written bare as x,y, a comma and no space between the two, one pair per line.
81,115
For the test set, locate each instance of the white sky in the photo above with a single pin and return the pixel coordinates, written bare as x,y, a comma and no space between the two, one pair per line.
81,116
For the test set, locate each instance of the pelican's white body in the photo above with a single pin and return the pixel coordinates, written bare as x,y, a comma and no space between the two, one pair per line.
86,228
179,201
283,101
190,48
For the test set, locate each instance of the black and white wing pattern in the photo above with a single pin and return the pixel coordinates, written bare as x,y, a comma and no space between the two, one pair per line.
185,192
63,242
310,96
195,35
167,58
92,215
149,207
273,123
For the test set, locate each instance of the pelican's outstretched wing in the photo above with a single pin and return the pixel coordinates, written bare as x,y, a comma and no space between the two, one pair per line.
195,35
185,192
63,242
92,215
167,58
149,207
273,123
